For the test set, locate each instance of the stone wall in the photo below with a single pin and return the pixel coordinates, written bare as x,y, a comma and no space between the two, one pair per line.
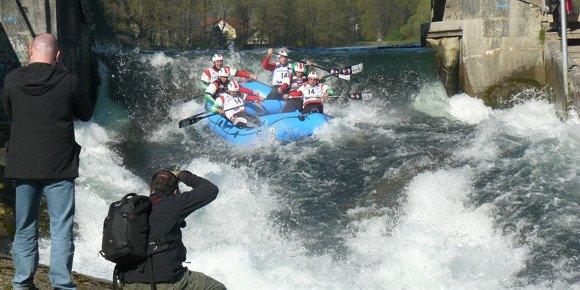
502,50
500,42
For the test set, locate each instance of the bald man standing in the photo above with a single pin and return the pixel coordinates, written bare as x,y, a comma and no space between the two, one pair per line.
42,100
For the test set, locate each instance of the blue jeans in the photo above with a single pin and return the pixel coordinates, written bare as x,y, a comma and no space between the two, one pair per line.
60,198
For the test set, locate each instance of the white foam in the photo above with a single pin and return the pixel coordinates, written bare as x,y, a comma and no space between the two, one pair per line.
352,120
436,241
159,60
432,100
467,109
532,118
177,112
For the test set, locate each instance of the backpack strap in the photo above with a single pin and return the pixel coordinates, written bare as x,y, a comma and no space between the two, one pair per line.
160,245
163,243
115,277
152,281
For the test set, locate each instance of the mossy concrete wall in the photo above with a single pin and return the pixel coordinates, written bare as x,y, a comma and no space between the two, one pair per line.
499,42
493,48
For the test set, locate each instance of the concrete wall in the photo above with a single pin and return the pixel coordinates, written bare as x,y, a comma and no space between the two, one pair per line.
497,48
41,14
17,29
499,42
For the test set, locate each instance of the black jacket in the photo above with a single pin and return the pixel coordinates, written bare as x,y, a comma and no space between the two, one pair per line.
167,218
42,100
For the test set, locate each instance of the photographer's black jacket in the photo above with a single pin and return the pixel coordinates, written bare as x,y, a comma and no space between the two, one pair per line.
168,214
42,101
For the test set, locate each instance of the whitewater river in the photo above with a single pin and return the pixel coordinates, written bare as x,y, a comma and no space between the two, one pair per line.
413,190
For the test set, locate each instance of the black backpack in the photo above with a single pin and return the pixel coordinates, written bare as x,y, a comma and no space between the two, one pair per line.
126,233
126,230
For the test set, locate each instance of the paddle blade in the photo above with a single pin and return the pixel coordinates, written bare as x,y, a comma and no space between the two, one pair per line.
356,68
189,121
365,96
347,71
344,77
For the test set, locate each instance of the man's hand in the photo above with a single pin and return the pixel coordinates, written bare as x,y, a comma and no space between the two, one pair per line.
270,51
176,172
253,77
280,90
220,111
286,96
325,95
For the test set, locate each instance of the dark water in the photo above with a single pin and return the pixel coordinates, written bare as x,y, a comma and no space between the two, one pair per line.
411,190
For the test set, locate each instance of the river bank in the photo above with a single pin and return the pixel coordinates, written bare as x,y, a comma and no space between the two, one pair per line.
41,278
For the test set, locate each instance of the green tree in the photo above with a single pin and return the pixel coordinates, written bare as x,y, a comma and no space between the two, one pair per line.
411,29
186,24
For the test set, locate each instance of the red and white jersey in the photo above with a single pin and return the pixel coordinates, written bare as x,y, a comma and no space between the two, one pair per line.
293,82
227,102
280,72
216,88
312,94
211,74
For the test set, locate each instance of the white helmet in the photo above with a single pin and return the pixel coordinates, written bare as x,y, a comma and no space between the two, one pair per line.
283,52
224,72
312,75
217,56
233,86
299,67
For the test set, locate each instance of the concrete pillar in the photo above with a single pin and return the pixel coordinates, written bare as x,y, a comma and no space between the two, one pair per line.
447,52
17,28
75,43
41,14
498,42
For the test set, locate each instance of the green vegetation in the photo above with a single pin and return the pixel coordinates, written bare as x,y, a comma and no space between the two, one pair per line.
190,24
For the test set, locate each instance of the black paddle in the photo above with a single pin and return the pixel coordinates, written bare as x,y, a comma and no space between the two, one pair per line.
364,96
343,73
197,117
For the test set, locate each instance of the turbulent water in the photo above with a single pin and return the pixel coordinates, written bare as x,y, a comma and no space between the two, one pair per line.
413,190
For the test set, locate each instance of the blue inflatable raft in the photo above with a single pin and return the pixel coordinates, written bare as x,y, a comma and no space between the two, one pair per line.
268,107
283,127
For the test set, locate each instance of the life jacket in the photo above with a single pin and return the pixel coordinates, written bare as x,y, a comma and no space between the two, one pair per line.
312,94
216,88
227,102
210,75
296,82
280,72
